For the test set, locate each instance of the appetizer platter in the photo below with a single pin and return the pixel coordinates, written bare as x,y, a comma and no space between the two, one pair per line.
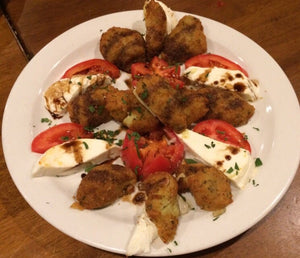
150,129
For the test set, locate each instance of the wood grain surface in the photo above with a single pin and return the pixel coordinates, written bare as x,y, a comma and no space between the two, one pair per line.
28,25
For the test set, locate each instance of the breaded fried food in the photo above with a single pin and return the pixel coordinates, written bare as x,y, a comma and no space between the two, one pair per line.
186,40
105,184
156,28
88,108
123,47
209,186
175,108
227,105
123,107
161,203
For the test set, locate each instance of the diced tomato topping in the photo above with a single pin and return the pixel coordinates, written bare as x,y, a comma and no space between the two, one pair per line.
145,156
160,67
93,66
211,60
58,134
223,132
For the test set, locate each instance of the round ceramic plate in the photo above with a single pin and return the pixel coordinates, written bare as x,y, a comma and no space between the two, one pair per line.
110,228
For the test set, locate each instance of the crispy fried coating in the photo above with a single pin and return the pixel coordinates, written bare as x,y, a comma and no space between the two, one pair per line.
88,108
209,186
105,184
123,47
175,108
156,28
161,204
227,105
186,40
123,107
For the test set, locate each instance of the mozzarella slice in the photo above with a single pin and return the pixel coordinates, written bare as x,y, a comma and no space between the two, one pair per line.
143,235
60,93
171,18
236,163
63,159
233,80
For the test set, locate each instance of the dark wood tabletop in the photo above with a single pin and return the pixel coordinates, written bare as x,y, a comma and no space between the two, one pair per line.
28,25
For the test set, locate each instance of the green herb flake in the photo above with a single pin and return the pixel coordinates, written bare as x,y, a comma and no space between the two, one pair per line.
230,170
254,183
136,169
89,77
85,145
65,138
46,120
236,166
190,161
258,162
182,197
207,146
170,250
256,128
212,144
89,167
124,101
144,94
215,218
220,132
100,110
79,83
92,109
175,242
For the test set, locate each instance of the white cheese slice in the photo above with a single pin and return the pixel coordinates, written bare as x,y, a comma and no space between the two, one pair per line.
233,80
236,163
143,235
62,92
63,159
171,17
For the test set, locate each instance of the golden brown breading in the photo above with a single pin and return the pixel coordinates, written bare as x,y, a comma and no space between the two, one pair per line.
104,184
88,108
186,40
175,108
156,28
123,47
209,186
227,105
161,204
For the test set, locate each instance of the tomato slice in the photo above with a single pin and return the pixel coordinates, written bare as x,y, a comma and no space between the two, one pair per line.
223,132
160,67
211,60
145,156
58,134
93,66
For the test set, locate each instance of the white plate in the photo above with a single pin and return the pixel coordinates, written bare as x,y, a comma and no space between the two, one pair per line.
276,143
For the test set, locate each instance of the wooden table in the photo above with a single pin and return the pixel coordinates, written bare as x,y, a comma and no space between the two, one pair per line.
27,25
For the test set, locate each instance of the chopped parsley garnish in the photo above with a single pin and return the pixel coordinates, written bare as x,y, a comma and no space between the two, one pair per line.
257,129
144,94
258,162
107,135
89,77
254,183
215,218
65,138
92,109
220,132
236,166
124,101
46,120
190,161
79,83
230,170
89,167
85,145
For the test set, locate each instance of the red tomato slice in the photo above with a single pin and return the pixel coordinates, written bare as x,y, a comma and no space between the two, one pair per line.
93,66
223,132
146,156
211,60
130,152
140,69
57,135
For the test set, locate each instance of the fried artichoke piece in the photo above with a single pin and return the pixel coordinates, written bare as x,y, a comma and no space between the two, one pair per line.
186,40
88,108
209,186
161,204
123,47
105,184
227,105
156,28
175,108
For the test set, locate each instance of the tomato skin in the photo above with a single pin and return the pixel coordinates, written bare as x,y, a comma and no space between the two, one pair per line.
93,66
211,60
223,132
58,134
160,67
145,156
